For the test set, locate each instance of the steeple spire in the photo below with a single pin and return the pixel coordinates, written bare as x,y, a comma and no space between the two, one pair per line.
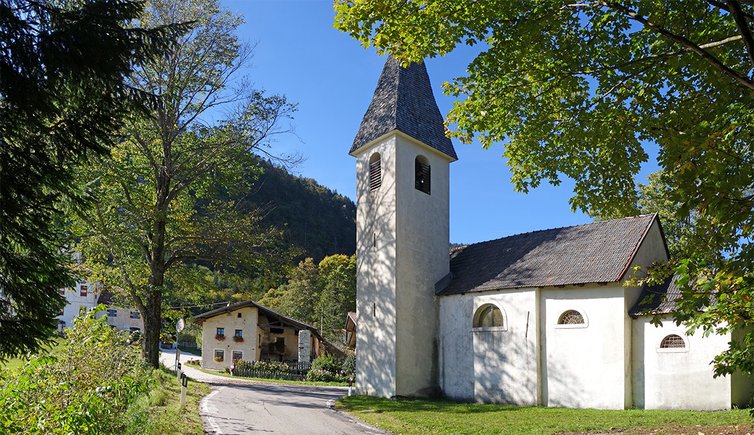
404,101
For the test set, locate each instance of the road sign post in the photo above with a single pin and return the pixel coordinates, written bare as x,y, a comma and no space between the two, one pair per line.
184,387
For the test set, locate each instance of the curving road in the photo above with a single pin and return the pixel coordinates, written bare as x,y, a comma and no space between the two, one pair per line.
240,406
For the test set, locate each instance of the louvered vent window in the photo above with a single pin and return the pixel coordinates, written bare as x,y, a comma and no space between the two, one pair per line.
423,173
672,341
375,172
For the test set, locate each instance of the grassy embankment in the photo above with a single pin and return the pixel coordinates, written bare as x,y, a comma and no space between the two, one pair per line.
156,411
425,416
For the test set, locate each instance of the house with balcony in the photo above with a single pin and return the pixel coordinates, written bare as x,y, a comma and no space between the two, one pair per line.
250,332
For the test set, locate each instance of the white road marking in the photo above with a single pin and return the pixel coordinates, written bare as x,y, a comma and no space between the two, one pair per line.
206,408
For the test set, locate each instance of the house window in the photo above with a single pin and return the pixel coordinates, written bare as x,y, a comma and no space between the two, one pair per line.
422,174
219,355
220,332
375,171
571,317
134,315
83,290
489,316
112,313
237,355
238,333
672,341
239,315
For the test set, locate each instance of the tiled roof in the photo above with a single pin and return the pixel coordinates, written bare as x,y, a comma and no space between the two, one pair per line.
657,299
598,252
270,313
404,101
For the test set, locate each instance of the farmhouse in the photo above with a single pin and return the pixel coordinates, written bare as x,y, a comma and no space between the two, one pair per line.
251,332
541,318
86,296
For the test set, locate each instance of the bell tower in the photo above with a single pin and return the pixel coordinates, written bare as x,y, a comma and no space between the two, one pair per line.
402,238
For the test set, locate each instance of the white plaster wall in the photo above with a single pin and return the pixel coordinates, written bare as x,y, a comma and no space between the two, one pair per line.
490,365
75,302
742,385
230,321
457,349
677,378
422,248
375,273
650,251
122,320
583,366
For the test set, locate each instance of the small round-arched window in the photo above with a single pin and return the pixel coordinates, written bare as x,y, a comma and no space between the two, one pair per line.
375,171
571,317
672,341
422,175
488,316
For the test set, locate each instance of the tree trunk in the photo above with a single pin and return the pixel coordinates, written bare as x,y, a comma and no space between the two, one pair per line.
152,326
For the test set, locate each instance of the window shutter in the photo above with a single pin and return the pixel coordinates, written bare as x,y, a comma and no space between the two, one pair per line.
375,174
423,176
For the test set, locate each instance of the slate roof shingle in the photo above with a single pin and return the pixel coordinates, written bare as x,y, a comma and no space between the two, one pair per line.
404,101
657,299
598,252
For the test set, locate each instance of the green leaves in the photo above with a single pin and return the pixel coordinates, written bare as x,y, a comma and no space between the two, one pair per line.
579,90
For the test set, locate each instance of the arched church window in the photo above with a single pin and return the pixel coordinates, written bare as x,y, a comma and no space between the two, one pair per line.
375,171
672,341
488,316
571,317
423,174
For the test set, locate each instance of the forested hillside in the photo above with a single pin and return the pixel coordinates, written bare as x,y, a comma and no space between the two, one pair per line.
318,220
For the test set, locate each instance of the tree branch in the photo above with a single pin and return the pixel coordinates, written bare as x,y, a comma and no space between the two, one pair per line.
685,42
738,15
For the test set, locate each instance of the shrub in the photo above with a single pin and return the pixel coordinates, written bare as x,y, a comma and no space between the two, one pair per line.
85,389
325,368
349,366
327,363
320,375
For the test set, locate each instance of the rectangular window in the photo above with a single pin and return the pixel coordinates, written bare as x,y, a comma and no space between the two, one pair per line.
219,355
237,355
220,331
134,315
238,333
112,313
83,290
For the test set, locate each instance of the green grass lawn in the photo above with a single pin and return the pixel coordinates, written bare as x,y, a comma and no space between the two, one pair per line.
426,416
273,381
54,348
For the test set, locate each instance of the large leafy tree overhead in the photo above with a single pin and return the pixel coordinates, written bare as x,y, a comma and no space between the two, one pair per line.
577,89
63,95
169,194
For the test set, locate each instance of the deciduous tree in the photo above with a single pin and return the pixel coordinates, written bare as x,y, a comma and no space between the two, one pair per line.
578,89
169,193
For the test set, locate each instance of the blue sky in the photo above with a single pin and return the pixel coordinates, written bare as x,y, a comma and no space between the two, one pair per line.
332,78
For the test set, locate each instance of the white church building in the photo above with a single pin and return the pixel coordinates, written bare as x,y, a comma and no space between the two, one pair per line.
541,318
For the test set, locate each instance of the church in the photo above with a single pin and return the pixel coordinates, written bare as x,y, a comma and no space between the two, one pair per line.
541,318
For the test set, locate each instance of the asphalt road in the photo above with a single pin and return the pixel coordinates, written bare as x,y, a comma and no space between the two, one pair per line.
283,409
239,406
